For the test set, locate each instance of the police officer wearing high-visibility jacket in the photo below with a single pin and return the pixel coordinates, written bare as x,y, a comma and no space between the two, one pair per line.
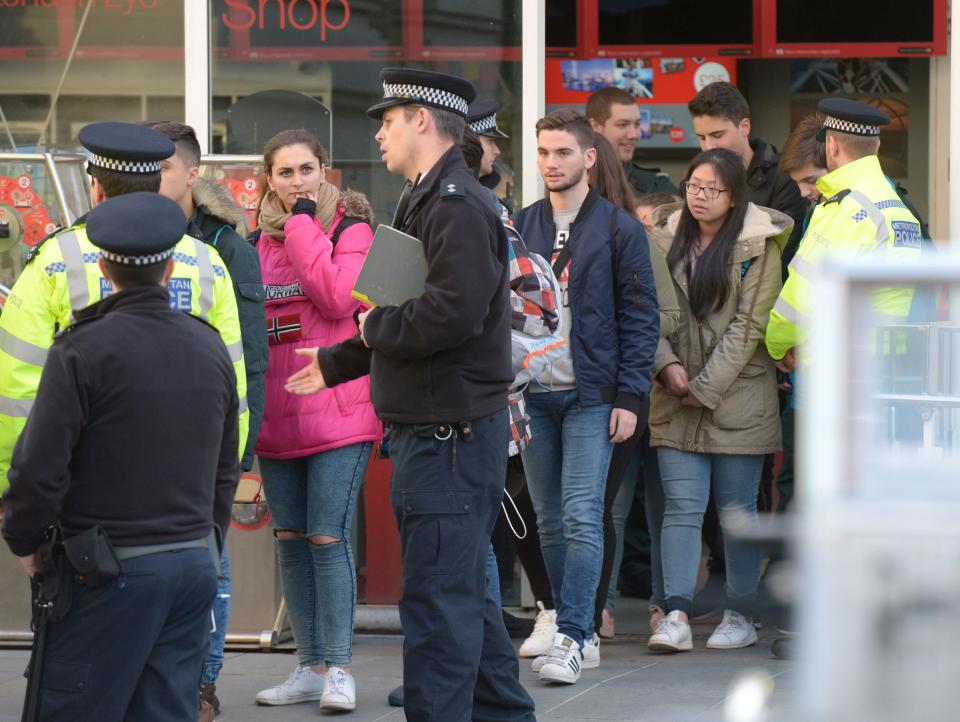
131,450
860,212
439,368
61,277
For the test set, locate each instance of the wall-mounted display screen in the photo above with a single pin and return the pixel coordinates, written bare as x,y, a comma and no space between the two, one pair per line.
637,23
853,28
561,30
854,21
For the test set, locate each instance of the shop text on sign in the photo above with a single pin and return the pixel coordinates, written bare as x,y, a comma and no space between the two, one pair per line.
297,14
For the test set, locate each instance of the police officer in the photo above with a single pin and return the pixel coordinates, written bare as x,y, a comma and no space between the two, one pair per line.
439,368
134,429
482,120
62,276
860,212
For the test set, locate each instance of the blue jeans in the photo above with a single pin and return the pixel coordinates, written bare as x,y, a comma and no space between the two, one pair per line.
493,576
318,495
221,618
566,467
687,479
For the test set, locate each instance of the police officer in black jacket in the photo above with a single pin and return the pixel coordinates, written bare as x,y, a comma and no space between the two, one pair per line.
134,430
439,368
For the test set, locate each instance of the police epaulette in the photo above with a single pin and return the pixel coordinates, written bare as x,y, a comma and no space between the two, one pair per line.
36,249
77,324
452,188
837,197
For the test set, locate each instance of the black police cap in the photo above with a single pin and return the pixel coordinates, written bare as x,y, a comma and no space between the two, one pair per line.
126,147
851,117
405,86
136,229
482,118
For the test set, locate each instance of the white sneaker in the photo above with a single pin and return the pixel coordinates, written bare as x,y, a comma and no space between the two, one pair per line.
340,691
672,635
540,640
734,632
303,685
591,652
563,663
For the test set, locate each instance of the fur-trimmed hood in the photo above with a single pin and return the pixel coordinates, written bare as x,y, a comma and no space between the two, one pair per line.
218,202
356,205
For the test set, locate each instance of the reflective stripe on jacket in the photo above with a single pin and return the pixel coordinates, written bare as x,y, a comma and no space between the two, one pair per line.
861,213
61,277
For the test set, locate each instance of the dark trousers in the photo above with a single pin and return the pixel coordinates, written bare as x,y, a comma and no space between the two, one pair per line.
528,548
133,650
619,462
458,662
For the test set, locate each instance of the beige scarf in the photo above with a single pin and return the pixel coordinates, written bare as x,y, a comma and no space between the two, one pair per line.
273,216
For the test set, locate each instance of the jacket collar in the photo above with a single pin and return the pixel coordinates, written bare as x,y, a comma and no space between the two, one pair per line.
764,158
759,225
449,162
588,203
849,176
150,298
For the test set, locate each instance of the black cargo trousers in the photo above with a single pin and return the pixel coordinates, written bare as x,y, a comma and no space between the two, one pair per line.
458,662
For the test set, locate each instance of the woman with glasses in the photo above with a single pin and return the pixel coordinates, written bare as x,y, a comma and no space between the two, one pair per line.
714,412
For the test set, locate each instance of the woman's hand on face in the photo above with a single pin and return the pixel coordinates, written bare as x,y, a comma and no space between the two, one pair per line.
674,377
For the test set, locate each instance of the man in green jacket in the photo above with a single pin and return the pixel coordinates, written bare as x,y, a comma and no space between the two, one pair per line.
213,217
613,113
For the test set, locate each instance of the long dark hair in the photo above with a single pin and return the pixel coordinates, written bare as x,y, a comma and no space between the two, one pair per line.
608,178
710,283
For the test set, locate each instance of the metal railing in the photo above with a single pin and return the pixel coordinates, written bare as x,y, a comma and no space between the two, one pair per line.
50,161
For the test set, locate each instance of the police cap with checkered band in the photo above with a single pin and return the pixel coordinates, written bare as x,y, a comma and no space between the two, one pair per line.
482,118
851,117
405,86
136,229
125,147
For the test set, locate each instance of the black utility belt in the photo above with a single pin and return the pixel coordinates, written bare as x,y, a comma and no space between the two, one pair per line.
440,431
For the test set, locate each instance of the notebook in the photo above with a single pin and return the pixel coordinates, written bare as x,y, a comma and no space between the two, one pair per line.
394,270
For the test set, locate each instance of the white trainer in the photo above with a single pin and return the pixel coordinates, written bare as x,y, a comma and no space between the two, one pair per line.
591,652
672,635
340,691
563,663
541,639
734,632
303,685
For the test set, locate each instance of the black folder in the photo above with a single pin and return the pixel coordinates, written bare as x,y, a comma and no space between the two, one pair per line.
394,270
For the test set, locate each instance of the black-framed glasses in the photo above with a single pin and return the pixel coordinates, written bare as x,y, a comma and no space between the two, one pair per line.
710,194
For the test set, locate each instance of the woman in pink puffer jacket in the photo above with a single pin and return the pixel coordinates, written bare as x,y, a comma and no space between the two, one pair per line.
313,449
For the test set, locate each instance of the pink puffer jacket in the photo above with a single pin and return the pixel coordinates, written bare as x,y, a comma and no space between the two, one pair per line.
308,303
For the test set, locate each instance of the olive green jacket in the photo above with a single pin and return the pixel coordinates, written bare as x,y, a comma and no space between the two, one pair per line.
727,365
666,296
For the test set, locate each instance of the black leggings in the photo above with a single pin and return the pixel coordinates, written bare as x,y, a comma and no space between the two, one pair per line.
619,461
528,548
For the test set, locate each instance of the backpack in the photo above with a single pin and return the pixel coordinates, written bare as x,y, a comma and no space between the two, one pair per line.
535,324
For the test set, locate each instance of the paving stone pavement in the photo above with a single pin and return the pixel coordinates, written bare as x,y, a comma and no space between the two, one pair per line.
632,684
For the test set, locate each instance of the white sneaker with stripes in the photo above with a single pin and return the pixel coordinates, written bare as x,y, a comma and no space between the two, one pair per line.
563,662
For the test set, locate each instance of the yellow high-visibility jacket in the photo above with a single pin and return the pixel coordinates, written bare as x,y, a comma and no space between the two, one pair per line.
62,276
860,213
